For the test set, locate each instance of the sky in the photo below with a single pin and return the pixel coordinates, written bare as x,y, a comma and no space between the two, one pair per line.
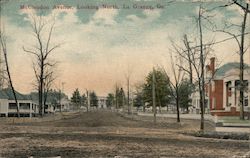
102,41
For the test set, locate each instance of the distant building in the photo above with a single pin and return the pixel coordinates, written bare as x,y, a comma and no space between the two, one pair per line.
54,102
8,105
222,89
102,102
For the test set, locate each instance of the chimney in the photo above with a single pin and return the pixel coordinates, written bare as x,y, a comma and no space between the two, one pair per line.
212,65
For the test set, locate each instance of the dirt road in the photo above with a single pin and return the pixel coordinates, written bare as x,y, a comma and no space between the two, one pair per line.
106,134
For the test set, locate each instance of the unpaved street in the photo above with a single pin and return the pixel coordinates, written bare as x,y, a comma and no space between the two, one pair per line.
107,134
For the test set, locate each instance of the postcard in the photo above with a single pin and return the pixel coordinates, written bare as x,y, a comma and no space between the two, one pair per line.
124,78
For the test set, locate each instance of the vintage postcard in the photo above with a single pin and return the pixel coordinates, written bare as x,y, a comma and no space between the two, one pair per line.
124,78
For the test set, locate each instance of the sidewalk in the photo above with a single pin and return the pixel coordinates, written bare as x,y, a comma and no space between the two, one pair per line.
182,116
226,125
233,129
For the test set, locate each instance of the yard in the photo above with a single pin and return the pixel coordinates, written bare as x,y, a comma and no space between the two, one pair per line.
109,134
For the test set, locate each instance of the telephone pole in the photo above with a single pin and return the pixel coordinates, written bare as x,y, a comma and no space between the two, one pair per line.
153,95
88,100
128,96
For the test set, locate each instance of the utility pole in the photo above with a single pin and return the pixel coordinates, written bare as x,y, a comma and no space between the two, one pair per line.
87,94
60,100
153,95
61,95
202,81
116,96
128,96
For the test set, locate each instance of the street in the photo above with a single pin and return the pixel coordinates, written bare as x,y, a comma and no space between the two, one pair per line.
109,134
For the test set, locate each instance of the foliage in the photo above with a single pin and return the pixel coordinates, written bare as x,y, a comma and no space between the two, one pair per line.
138,100
54,96
161,87
93,99
76,97
83,100
110,100
120,97
185,90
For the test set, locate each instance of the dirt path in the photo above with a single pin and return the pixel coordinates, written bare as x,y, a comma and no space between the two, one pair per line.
106,134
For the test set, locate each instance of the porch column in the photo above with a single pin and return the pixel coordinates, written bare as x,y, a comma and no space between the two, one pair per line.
30,109
233,90
248,94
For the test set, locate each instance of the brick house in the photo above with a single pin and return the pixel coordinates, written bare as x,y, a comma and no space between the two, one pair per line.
222,89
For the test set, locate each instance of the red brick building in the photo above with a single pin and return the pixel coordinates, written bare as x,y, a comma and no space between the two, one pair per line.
222,89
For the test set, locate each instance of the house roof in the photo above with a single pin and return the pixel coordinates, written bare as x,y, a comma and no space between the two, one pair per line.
35,98
8,94
3,95
52,97
221,71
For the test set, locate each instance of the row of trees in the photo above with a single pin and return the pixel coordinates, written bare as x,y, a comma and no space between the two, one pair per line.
160,88
165,93
118,99
88,99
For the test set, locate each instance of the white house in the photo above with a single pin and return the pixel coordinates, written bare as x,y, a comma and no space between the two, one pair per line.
54,102
102,102
8,105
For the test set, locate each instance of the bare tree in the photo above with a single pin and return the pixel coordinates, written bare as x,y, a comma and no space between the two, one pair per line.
42,51
175,83
49,79
4,49
128,77
242,4
240,40
198,54
202,62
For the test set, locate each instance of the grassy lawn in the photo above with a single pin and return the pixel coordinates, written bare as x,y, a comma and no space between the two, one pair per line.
233,119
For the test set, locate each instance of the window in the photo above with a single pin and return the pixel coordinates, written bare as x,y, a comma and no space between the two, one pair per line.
213,86
206,103
24,105
12,106
214,103
246,102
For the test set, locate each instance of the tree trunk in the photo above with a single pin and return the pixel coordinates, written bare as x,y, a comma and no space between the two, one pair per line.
202,116
3,44
12,87
177,104
242,86
202,90
40,91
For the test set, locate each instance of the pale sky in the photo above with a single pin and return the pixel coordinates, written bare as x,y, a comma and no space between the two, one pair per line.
99,46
